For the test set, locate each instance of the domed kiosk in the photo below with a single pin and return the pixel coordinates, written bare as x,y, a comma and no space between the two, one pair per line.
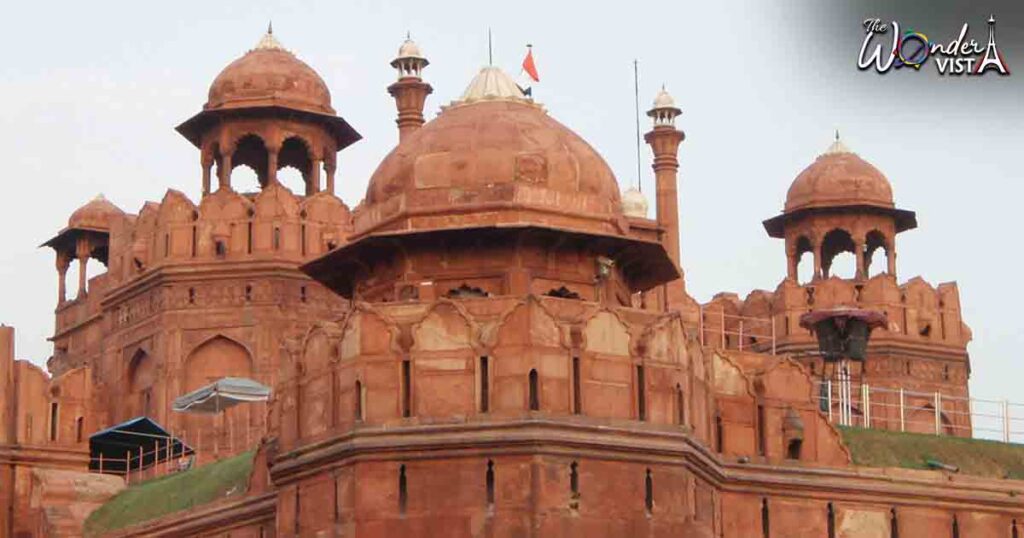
504,187
269,110
840,203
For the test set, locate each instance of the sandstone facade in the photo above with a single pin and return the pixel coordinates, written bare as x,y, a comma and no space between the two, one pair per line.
487,345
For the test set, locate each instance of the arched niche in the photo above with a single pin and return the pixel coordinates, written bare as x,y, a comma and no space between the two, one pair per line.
214,359
876,253
804,263
295,163
250,151
142,376
838,254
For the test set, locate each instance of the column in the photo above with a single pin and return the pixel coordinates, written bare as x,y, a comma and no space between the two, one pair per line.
890,258
331,165
224,172
858,249
82,252
272,153
792,260
313,181
63,263
818,274
206,161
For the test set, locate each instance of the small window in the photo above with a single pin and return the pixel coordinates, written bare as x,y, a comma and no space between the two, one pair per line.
574,486
577,392
831,521
794,448
534,396
485,397
641,394
403,493
359,401
54,415
490,484
649,493
406,388
766,526
277,239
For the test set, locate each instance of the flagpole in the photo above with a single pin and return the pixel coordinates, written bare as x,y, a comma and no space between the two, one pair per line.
490,49
636,103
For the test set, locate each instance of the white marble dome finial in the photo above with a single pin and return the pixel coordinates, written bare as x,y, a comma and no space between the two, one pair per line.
837,146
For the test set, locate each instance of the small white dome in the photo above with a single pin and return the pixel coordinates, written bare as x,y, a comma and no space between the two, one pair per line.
664,99
837,146
409,49
491,83
634,204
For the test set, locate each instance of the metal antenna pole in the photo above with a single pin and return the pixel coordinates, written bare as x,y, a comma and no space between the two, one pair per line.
636,103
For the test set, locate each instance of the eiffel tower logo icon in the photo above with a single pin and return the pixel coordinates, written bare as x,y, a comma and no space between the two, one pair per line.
993,59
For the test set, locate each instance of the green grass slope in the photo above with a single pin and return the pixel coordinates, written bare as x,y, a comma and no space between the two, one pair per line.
172,493
880,448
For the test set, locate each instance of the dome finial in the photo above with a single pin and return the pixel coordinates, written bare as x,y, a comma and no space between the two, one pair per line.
268,41
837,146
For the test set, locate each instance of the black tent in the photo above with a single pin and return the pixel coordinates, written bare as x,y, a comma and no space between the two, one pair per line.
118,446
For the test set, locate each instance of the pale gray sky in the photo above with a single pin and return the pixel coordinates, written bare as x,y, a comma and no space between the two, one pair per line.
92,91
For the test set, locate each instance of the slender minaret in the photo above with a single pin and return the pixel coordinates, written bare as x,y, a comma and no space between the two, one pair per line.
664,140
410,92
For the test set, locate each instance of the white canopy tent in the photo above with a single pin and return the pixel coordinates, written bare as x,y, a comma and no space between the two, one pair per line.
222,394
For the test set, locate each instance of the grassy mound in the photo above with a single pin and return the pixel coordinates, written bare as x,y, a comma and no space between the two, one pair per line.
172,493
881,448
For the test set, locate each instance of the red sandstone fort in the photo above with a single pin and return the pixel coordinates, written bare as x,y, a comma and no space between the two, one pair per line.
494,342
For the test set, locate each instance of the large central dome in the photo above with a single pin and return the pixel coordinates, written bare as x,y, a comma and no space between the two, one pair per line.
495,150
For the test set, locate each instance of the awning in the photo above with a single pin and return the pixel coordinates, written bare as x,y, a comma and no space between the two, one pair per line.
221,395
112,449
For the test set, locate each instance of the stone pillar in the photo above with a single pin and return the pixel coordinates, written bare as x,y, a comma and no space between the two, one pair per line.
313,178
224,172
410,95
792,261
206,161
82,252
63,263
890,258
818,274
272,153
331,165
664,140
862,270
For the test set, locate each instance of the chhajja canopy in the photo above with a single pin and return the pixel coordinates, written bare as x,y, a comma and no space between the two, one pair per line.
221,395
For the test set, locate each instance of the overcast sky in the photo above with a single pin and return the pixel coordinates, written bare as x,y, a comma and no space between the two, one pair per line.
91,92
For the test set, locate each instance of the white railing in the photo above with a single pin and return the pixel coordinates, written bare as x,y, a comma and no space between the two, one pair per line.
717,329
898,409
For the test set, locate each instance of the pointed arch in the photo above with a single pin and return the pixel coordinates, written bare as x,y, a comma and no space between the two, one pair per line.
294,164
836,242
217,357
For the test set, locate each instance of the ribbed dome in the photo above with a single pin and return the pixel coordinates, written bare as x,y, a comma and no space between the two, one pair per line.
839,177
497,151
94,215
269,75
